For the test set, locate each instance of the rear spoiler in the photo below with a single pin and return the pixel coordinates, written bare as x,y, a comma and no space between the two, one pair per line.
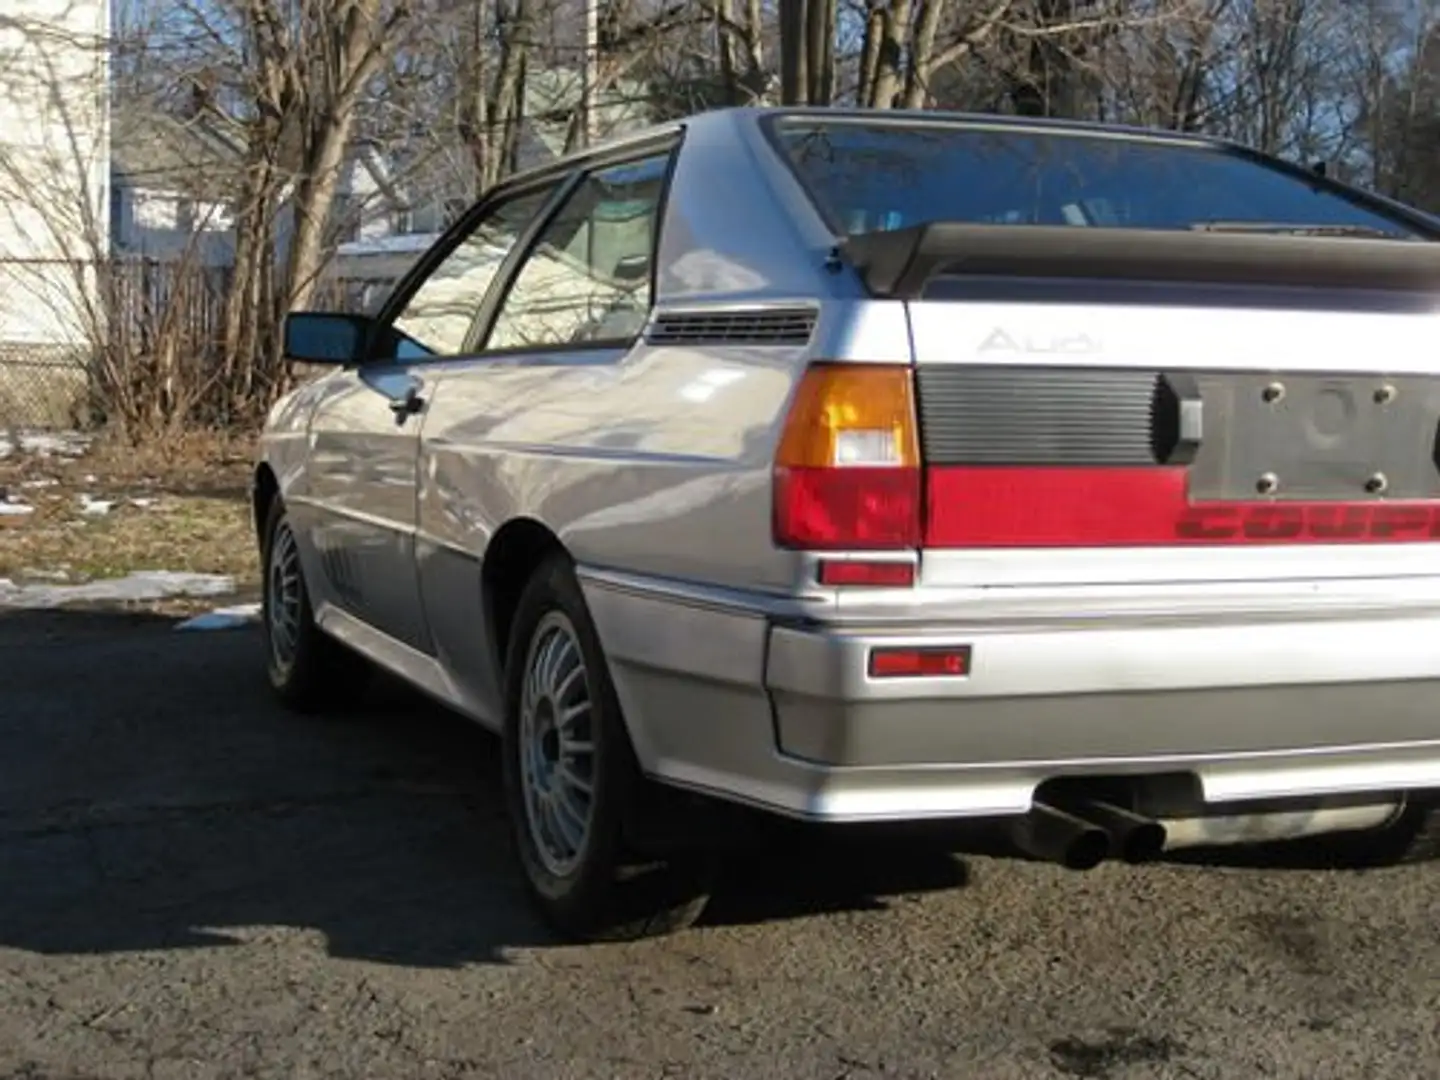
900,263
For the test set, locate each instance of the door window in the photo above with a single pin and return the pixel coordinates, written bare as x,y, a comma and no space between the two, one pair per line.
587,279
437,318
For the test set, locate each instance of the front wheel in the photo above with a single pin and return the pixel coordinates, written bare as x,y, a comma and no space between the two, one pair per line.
307,668
572,780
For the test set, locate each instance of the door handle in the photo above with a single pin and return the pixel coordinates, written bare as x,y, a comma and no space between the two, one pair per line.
408,405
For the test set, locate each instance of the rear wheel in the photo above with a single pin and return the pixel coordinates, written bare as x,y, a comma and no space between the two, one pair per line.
307,668
572,781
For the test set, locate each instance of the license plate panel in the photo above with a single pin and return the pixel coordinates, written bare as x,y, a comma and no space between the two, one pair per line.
1317,437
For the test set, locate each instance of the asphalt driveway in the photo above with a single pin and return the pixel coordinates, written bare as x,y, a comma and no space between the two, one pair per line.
195,884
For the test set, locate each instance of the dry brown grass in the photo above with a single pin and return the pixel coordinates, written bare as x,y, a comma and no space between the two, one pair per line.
182,505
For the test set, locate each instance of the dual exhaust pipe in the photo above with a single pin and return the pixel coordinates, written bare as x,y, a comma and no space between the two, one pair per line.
1088,833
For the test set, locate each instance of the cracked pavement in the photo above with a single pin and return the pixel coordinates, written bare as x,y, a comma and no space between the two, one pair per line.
195,884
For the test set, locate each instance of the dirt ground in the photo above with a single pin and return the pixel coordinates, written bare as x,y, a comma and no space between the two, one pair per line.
80,511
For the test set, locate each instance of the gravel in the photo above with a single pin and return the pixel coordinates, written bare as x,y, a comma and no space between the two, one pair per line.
195,884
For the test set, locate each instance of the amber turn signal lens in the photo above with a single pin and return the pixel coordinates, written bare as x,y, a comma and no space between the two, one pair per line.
847,415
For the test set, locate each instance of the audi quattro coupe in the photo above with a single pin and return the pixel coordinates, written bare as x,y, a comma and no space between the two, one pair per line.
883,467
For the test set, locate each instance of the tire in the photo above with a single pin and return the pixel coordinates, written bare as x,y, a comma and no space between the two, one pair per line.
1414,837
564,732
308,669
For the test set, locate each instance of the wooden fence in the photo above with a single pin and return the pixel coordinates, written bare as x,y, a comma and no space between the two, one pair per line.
52,336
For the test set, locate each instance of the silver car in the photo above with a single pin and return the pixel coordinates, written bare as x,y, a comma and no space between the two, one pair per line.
877,467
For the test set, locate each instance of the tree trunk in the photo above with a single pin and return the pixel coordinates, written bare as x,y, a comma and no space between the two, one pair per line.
754,42
508,97
725,49
354,46
922,54
246,318
794,57
473,125
312,199
820,51
870,56
890,64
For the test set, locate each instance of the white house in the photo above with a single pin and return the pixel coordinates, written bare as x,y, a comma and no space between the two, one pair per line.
176,181
54,209
173,186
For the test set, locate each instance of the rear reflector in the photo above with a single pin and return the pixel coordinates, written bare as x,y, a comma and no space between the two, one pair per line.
1050,506
866,572
900,662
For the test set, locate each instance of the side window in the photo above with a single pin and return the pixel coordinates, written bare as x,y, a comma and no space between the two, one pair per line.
436,319
587,278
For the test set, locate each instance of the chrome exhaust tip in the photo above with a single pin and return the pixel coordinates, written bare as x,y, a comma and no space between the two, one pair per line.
1057,836
1136,838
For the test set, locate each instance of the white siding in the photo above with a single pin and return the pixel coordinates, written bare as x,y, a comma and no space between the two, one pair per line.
54,167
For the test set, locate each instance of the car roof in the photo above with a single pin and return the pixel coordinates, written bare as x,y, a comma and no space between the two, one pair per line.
991,120
733,116
740,228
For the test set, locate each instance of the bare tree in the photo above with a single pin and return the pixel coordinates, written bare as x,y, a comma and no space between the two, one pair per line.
807,51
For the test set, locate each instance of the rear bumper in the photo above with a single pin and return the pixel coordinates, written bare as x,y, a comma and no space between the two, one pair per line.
724,696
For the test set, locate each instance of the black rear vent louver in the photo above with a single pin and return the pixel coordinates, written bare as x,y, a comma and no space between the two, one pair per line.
979,415
792,326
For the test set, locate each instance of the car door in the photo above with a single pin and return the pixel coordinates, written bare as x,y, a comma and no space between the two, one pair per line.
572,303
365,432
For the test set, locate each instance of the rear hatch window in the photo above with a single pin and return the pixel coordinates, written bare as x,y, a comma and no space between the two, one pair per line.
866,175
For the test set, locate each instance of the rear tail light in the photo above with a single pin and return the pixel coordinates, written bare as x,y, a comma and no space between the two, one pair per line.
847,472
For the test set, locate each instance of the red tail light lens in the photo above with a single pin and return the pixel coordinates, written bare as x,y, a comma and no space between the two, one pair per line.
1050,506
847,473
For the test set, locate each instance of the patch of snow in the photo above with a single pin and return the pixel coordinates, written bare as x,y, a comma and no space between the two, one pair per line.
43,482
141,585
95,507
224,618
46,575
384,245
71,444
10,507
143,504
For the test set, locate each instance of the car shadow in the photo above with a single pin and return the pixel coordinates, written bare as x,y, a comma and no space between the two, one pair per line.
153,796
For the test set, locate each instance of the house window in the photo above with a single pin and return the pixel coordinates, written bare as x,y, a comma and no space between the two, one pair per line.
345,214
156,210
117,214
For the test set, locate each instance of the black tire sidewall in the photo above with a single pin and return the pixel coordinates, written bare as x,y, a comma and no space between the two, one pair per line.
581,896
297,682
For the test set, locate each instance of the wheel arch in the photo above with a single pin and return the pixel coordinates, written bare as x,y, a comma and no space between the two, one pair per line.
512,556
264,489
